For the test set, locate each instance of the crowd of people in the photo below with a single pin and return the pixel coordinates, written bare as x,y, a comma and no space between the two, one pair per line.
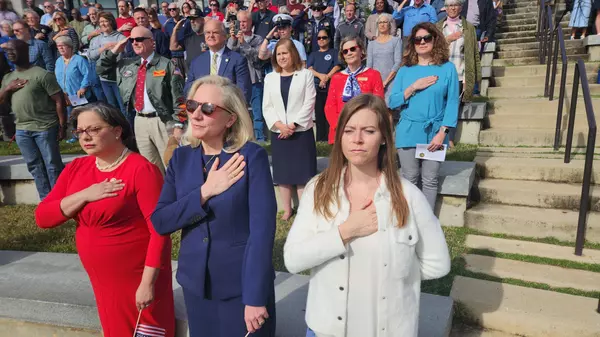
169,102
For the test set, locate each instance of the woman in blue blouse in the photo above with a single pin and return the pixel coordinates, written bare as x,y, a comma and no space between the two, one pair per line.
72,73
218,191
426,90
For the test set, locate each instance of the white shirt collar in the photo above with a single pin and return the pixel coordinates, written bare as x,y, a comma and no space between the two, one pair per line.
219,53
149,59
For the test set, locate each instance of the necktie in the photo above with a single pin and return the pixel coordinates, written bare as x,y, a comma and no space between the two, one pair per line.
139,87
213,65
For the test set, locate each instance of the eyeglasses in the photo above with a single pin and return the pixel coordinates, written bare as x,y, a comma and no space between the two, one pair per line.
427,38
91,131
384,22
351,49
322,38
214,5
207,108
138,39
318,9
172,9
47,6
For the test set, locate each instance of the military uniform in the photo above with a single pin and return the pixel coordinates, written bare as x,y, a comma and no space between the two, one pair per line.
164,90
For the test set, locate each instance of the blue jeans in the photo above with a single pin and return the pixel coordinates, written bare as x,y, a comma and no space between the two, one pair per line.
113,96
41,153
257,114
99,92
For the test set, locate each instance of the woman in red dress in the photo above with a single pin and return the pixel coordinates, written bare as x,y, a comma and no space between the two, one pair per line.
356,79
111,194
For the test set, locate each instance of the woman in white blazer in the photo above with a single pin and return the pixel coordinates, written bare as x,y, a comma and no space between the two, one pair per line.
368,236
288,108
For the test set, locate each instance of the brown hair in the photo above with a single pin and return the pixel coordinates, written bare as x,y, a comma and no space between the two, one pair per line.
440,52
296,61
327,184
108,17
359,42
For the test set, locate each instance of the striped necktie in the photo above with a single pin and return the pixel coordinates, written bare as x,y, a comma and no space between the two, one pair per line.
213,64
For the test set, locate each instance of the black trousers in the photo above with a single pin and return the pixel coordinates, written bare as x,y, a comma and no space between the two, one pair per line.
321,121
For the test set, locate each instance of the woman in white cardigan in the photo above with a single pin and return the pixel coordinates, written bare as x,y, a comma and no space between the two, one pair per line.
288,108
368,236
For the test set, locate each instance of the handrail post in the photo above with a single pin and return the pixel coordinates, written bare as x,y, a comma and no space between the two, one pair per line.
549,52
574,95
554,61
585,191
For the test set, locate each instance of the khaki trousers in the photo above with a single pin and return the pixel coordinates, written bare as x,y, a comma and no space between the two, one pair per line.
151,138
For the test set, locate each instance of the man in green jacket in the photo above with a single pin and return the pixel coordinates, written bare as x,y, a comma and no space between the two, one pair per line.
150,87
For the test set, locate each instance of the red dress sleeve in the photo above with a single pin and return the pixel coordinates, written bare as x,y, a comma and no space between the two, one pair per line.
148,184
377,83
331,105
48,213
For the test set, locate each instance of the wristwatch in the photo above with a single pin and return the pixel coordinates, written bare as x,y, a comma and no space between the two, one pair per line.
446,129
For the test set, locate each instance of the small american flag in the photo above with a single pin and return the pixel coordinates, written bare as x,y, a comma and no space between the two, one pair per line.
144,330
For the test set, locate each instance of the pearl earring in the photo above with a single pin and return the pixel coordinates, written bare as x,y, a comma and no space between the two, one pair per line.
117,137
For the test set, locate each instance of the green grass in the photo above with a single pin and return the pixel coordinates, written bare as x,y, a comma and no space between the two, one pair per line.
462,152
11,148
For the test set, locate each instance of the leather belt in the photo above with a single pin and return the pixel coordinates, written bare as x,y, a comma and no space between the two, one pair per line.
148,115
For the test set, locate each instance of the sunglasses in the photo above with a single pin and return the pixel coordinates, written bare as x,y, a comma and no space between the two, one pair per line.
427,38
172,9
322,38
214,5
351,49
207,108
139,39
318,9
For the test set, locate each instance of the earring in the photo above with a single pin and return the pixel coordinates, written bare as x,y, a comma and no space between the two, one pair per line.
117,137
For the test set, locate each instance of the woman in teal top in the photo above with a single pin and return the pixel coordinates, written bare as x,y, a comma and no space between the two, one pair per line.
426,89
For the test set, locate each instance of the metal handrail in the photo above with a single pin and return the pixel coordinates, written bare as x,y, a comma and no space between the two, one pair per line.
580,77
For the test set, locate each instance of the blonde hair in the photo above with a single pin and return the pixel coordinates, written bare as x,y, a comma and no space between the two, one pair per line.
242,130
54,24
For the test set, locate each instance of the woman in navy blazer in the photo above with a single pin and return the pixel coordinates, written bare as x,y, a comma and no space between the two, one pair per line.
218,190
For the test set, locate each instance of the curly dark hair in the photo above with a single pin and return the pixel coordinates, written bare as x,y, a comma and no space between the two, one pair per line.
440,53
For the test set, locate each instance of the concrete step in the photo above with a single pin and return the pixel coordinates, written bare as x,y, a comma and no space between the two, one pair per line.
529,137
530,222
512,35
492,151
515,40
512,14
533,60
515,19
535,45
538,80
539,194
509,246
531,120
550,170
517,27
527,311
532,91
553,276
541,106
539,69
527,10
469,331
535,52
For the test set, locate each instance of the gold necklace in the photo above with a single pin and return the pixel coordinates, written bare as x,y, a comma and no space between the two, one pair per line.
208,162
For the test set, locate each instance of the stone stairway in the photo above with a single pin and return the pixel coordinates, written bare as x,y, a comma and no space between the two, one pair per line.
523,277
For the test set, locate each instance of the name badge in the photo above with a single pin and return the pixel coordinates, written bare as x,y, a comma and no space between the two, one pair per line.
362,79
159,73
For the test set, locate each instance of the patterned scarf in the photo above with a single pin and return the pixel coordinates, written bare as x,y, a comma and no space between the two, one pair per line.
351,89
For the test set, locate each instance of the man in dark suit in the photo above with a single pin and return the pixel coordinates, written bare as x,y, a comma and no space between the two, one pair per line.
220,60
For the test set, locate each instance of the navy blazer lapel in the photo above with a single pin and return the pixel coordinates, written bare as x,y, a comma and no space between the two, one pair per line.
204,59
224,61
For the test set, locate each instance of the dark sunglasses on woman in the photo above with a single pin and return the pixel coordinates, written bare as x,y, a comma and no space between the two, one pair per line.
427,38
351,49
207,108
320,38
